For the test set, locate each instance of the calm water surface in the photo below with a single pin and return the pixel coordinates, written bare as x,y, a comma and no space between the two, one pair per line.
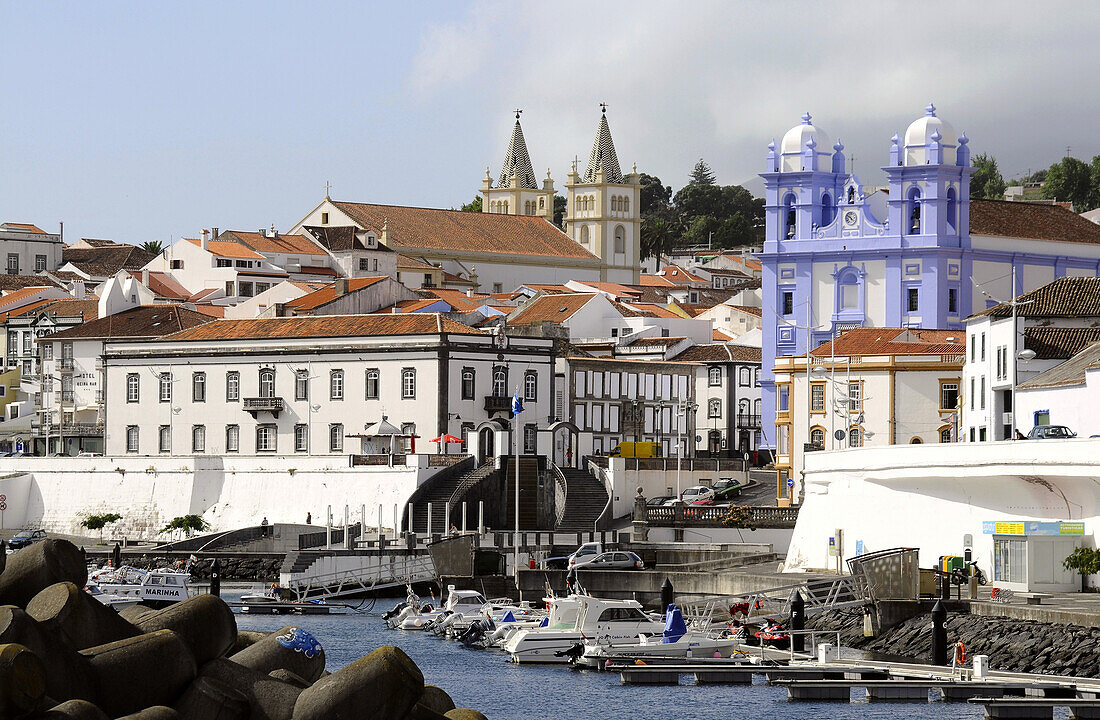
484,680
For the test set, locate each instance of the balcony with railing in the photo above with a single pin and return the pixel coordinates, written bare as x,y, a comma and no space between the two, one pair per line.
255,405
66,364
720,516
498,403
745,420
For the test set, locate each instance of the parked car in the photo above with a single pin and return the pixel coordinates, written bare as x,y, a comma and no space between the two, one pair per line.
1050,432
582,553
23,538
660,500
725,489
617,560
696,493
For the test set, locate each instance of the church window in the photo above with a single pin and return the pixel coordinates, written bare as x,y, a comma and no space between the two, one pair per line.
584,235
826,210
626,205
505,210
790,222
851,195
914,211
542,203
620,239
951,210
788,303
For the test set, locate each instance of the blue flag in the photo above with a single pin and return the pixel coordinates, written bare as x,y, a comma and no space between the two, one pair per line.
517,406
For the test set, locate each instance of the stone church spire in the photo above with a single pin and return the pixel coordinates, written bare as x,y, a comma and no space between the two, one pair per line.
517,162
603,155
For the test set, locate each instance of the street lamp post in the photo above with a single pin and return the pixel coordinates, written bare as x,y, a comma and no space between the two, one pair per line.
682,410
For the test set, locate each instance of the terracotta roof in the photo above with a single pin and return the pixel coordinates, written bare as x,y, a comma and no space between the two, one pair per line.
228,249
327,294
405,262
261,243
325,326
410,228
719,352
95,242
612,288
656,342
339,238
105,261
317,270
1059,343
555,289
22,295
719,336
1064,297
655,281
411,306
550,308
1030,220
15,282
749,309
202,294
25,227
1071,372
29,307
144,321
679,276
895,341
457,299
655,310
66,307
165,286
213,311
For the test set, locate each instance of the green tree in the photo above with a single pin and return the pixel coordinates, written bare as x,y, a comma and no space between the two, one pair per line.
559,210
654,196
187,523
156,247
472,206
986,182
98,522
1071,180
701,174
1086,561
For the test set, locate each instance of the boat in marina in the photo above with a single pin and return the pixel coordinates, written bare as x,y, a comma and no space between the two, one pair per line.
416,616
155,588
115,602
607,622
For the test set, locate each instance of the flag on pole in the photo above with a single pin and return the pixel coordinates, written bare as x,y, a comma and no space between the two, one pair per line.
517,406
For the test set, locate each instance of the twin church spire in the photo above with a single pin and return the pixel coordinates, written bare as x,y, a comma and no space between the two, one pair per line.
517,162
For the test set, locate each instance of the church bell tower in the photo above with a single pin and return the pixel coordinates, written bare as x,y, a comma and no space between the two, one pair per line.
516,191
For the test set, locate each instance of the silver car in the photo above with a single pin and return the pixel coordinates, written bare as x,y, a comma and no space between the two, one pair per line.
615,560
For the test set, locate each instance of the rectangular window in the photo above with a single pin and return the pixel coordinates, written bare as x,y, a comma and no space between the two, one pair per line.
198,438
973,347
47,351
336,438
817,397
301,385
1010,560
949,395
783,397
232,386
375,263
372,384
233,438
336,385
133,388
229,289
788,303
952,300
324,218
13,264
301,438
131,438
467,383
364,264
913,302
855,396
408,430
972,393
530,387
165,443
166,387
66,388
408,384
983,346
177,264
245,289
265,438
981,394
198,387
529,435
39,263
222,262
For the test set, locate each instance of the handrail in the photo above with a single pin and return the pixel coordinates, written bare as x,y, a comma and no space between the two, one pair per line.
470,479
419,567
609,487
563,485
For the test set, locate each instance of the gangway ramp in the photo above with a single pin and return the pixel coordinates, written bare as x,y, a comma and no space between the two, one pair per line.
344,575
820,594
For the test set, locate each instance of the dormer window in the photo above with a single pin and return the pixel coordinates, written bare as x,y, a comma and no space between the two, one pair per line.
324,218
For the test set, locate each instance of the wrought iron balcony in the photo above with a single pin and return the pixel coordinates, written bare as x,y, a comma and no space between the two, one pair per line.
497,403
273,405
748,421
66,363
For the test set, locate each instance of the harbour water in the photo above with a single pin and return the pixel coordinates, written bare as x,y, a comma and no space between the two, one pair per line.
486,681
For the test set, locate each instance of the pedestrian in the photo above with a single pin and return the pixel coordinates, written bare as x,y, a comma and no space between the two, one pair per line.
569,457
454,530
263,527
309,518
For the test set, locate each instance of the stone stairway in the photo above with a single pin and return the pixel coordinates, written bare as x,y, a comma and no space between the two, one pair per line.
585,500
528,492
439,492
297,561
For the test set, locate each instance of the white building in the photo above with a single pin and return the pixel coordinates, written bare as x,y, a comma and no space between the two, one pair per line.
317,386
872,386
1067,394
733,320
29,249
1053,323
727,391
227,272
301,257
355,252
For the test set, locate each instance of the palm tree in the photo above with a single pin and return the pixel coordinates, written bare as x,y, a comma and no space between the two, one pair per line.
156,247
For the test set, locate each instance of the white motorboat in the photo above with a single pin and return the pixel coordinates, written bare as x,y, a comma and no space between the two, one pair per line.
152,587
605,621
459,602
115,602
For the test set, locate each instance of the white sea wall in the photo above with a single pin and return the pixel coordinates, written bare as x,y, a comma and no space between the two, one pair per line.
931,496
229,492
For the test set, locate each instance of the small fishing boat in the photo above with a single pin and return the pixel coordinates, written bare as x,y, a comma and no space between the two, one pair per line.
607,622
155,588
115,602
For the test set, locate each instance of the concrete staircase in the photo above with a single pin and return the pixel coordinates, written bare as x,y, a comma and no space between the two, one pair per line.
585,500
439,492
528,492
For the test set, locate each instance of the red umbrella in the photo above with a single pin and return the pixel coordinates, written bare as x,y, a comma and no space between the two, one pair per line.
445,438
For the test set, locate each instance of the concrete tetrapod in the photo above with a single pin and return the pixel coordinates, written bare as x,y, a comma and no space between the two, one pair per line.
142,671
436,699
289,678
211,699
68,675
34,568
246,638
22,681
383,685
464,714
291,648
75,710
77,617
134,612
157,712
204,622
268,698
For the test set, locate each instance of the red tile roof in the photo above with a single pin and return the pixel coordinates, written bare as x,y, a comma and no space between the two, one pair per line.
317,270
679,276
325,326
228,250
1030,220
1065,297
26,227
146,321
165,286
405,262
719,336
327,294
214,311
1059,343
550,308
647,280
15,298
261,243
654,309
719,352
895,341
413,228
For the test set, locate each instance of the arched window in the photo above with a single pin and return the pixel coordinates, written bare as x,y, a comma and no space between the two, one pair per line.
500,382
267,383
336,437
847,285
626,206
542,203
714,408
584,234
408,384
620,239
851,194
530,386
945,434
855,437
789,226
714,376
743,407
914,211
915,441
817,437
505,210
372,385
756,406
952,199
614,203
827,210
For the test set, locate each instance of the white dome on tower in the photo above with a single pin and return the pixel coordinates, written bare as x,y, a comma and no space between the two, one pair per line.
919,136
794,143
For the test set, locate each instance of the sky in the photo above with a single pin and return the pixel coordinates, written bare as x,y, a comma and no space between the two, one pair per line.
141,121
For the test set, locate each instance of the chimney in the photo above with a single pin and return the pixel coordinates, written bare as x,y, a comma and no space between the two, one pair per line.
78,290
145,277
341,287
214,234
469,292
205,240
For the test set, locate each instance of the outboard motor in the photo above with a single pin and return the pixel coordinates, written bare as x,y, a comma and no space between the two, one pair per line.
475,632
396,609
573,652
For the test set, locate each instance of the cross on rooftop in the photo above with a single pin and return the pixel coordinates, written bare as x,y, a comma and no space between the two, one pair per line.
518,113
603,108
328,186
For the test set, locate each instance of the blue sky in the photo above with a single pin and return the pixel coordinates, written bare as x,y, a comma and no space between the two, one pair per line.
140,121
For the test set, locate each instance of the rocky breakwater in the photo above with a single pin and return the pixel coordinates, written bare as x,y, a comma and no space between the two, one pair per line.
63,654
